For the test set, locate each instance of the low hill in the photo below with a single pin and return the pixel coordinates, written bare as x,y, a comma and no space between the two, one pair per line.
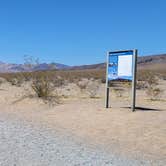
144,62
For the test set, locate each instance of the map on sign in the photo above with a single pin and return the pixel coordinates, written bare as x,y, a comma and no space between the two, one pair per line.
120,66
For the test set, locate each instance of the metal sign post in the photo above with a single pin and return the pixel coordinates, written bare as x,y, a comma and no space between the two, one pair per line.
107,86
134,82
122,65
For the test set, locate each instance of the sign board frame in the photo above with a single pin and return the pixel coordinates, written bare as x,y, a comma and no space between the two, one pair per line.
132,53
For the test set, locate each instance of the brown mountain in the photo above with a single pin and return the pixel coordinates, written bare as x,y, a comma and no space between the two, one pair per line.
144,62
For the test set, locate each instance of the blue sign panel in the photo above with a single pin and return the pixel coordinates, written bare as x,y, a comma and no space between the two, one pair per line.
120,65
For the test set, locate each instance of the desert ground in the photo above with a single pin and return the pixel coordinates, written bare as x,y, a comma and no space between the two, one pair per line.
79,130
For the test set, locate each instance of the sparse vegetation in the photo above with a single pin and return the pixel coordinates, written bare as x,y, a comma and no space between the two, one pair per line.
44,89
82,84
118,91
154,92
2,80
141,85
149,82
93,88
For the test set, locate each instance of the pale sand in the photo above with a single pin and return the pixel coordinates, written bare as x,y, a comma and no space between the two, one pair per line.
139,134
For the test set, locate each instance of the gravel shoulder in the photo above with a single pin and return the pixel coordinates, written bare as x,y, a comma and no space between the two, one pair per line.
23,143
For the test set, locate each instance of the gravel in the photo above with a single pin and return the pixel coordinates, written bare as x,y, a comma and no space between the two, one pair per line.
26,144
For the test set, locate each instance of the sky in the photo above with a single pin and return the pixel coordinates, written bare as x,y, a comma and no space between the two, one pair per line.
76,32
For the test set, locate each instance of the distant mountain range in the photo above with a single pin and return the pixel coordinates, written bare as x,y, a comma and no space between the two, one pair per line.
143,61
8,68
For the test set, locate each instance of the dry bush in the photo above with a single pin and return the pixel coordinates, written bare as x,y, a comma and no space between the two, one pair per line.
154,93
119,87
118,91
141,85
150,84
13,78
2,80
43,88
58,81
146,79
93,88
147,76
15,81
149,81
82,84
103,80
42,83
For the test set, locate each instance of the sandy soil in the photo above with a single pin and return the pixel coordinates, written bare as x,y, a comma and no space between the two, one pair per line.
141,134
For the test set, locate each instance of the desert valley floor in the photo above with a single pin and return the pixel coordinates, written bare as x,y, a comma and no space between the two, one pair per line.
80,131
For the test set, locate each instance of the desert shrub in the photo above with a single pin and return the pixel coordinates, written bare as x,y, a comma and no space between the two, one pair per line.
148,80
17,81
13,78
14,81
58,81
154,92
152,80
141,85
147,76
82,84
118,91
2,80
149,83
42,87
103,80
27,76
127,84
93,88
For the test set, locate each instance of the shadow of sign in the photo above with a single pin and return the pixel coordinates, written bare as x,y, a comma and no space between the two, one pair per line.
144,109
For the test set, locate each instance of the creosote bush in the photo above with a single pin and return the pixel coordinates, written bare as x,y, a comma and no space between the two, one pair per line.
118,91
149,77
42,87
93,88
149,82
141,85
82,84
154,93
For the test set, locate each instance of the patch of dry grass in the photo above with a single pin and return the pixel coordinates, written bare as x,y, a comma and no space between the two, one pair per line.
57,78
